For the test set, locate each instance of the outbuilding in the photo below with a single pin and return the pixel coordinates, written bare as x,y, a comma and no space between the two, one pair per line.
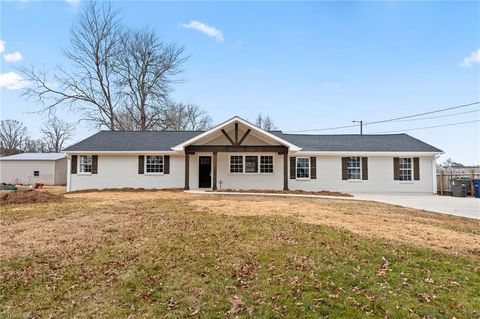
30,168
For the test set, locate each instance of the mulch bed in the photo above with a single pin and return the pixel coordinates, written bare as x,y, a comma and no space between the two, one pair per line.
296,192
28,196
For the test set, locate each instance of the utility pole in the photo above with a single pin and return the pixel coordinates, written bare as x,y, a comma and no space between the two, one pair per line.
361,126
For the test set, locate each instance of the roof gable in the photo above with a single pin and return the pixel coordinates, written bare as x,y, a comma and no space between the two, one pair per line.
259,132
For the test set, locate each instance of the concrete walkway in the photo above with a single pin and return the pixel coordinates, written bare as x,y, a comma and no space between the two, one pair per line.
458,206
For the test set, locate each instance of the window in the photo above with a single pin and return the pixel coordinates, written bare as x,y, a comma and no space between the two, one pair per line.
154,164
354,167
303,167
236,164
36,173
85,163
405,169
266,164
251,164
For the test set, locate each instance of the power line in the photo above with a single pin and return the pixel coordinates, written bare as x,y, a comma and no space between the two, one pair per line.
439,116
324,129
427,127
390,120
424,113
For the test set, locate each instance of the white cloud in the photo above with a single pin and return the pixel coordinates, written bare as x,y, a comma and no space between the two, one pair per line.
13,57
470,60
73,2
11,81
206,29
2,46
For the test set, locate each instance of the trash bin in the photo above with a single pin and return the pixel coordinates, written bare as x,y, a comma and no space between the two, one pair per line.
476,187
460,187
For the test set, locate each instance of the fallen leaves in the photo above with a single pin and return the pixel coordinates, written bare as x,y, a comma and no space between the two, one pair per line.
152,254
384,268
236,305
246,272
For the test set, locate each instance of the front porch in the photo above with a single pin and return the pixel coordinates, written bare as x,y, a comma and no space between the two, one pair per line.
236,154
213,162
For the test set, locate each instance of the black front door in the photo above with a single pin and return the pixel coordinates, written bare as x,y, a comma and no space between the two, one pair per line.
204,171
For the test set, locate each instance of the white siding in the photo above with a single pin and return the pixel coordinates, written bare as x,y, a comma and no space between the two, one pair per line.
61,172
21,172
120,171
380,177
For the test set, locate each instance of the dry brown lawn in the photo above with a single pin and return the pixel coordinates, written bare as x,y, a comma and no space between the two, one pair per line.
170,254
83,218
411,226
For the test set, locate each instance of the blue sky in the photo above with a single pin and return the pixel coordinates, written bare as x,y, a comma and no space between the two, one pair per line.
309,65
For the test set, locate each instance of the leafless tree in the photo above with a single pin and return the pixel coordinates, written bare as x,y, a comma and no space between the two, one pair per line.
147,67
90,83
13,134
265,122
56,132
117,77
35,146
182,117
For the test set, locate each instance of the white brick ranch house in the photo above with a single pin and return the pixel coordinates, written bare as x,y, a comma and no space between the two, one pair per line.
239,155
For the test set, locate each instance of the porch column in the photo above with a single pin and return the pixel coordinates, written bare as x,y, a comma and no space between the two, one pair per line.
187,170
214,171
285,171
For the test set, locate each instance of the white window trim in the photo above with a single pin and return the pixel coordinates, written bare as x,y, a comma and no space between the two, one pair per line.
153,173
355,180
309,169
79,165
258,165
260,162
405,181
230,163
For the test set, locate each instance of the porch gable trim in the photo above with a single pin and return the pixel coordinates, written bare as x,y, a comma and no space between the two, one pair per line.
236,119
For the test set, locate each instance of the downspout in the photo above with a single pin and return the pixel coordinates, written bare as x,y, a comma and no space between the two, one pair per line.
69,164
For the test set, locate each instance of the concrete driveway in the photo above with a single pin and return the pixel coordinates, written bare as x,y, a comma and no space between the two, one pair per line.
459,206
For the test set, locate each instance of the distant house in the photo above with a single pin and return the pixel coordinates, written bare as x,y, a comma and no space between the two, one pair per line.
29,168
239,155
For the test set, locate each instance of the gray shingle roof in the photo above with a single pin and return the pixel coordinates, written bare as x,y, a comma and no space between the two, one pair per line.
133,141
165,140
34,157
358,143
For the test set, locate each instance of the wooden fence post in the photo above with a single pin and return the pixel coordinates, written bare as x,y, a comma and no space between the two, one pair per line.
441,182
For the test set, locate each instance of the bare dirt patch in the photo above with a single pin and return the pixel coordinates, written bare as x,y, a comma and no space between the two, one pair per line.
28,196
369,219
274,191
